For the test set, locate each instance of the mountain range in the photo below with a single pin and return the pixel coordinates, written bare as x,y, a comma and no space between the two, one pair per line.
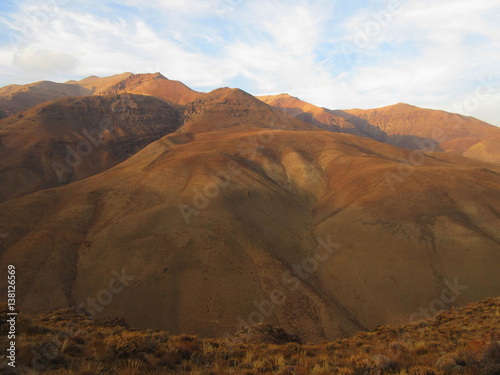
221,209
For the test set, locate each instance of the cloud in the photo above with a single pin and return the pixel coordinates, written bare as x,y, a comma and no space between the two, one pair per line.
45,62
423,52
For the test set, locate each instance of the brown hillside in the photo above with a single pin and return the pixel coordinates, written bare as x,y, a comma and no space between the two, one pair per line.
156,84
72,138
404,119
234,109
401,125
98,84
409,126
322,117
212,226
487,149
17,98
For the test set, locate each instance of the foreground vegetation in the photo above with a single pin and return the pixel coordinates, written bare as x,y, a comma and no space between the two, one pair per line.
462,341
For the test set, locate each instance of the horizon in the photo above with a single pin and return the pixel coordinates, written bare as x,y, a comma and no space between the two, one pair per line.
335,55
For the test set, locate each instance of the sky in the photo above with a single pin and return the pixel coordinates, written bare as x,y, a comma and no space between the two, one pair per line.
337,54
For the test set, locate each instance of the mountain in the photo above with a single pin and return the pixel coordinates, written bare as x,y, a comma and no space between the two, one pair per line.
323,117
407,125
237,110
99,84
70,139
156,84
323,234
17,98
402,125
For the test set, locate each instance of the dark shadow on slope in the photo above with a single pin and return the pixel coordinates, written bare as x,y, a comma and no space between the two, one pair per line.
411,142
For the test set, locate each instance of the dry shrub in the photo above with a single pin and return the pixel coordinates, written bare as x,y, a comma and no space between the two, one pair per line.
78,339
186,345
292,349
25,352
29,328
450,362
130,343
46,352
364,365
421,348
490,362
74,350
160,352
424,370
126,343
171,358
98,350
474,349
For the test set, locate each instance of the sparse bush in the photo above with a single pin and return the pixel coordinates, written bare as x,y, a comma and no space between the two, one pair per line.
491,359
101,346
424,370
170,359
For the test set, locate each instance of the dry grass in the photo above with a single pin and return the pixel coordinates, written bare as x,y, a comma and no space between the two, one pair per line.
464,341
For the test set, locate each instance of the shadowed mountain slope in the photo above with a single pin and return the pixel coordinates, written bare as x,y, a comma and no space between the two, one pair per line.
402,125
72,138
17,98
323,117
403,121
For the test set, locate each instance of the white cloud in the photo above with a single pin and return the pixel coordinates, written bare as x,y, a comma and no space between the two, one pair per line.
430,53
45,62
